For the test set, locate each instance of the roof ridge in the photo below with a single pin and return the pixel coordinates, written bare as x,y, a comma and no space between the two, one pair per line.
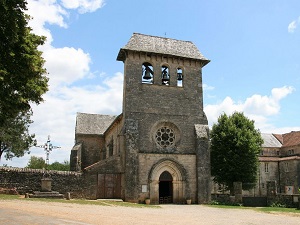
162,37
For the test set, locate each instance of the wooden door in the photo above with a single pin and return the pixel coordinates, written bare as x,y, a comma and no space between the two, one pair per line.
109,186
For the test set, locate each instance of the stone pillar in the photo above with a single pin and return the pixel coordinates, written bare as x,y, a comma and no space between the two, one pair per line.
46,184
131,160
238,192
203,164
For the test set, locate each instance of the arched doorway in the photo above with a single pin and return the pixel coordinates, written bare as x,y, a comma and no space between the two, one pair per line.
166,177
165,188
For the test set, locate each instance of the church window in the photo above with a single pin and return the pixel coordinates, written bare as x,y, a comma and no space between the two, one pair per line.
179,77
165,75
111,148
165,137
147,73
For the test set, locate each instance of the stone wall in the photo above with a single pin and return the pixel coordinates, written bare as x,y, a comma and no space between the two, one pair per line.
28,180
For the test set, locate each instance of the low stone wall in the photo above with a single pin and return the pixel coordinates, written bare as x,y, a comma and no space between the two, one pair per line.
289,201
25,180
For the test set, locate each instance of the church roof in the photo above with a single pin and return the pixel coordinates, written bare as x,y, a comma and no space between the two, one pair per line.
93,123
270,141
161,45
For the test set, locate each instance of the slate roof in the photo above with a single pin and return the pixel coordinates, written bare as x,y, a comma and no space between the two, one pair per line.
270,141
93,123
161,45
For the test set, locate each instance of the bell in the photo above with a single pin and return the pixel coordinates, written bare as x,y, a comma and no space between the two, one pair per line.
179,76
147,75
165,76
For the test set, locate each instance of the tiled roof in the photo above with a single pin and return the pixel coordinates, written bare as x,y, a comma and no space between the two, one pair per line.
93,123
281,140
161,45
279,137
270,141
291,139
277,159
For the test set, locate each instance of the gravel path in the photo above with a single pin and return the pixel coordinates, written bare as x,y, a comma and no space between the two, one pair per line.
32,212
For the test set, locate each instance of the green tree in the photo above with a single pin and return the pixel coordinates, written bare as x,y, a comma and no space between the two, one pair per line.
22,76
15,139
36,163
235,145
65,166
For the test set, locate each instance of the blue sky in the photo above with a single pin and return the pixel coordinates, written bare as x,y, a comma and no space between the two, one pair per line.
254,48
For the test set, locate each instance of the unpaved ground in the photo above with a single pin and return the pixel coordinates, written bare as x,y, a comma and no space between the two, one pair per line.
33,212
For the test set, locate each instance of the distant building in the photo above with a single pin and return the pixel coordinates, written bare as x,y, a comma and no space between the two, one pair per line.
279,166
280,163
158,148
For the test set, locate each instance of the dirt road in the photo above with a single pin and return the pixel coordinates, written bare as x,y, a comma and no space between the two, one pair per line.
33,212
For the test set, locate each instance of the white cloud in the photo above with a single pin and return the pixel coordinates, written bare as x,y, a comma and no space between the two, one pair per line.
66,65
45,11
293,25
57,114
83,6
207,87
256,107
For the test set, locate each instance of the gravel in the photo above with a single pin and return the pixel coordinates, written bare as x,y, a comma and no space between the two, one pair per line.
35,212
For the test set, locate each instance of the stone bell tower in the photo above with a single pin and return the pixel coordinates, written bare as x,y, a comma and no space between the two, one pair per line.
166,134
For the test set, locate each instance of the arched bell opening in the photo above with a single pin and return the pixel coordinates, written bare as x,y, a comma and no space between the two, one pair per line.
165,75
165,188
147,73
179,77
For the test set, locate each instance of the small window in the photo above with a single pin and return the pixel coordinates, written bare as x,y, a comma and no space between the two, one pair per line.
111,148
179,77
286,167
147,73
266,167
103,153
165,76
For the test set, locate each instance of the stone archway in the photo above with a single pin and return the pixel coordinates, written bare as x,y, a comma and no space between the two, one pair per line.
177,186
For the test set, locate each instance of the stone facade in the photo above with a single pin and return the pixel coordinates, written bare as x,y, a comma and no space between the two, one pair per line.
158,148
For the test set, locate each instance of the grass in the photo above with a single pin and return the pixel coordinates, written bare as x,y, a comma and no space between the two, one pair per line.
78,201
261,209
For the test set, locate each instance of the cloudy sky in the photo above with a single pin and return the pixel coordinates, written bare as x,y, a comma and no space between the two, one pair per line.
254,48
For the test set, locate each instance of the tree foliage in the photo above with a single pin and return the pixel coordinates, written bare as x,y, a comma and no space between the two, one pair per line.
22,76
39,163
235,145
64,166
36,163
15,139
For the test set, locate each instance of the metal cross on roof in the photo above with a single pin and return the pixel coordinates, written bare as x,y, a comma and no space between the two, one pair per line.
48,148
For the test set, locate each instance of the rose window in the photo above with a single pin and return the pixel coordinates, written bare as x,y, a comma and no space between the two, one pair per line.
165,137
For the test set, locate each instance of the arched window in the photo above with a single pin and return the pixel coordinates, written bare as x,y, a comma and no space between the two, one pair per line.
147,73
165,75
179,77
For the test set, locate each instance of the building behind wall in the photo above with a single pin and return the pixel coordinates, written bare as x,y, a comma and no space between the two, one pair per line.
158,148
279,166
280,163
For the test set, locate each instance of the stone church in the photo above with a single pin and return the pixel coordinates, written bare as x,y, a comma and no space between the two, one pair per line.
158,147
